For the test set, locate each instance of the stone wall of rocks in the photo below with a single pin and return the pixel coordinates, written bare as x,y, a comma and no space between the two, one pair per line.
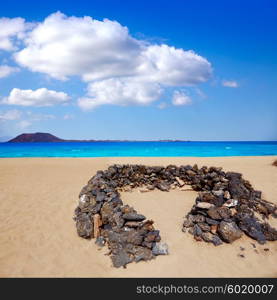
226,207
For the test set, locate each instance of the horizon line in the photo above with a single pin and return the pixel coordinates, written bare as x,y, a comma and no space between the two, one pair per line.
62,140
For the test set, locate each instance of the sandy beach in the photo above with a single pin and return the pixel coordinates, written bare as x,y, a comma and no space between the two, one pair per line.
38,236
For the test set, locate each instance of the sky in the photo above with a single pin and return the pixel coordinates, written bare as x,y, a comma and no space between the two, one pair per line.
139,70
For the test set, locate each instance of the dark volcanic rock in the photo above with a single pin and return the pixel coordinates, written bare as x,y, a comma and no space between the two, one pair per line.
197,230
253,228
84,225
100,196
198,218
134,237
163,186
204,226
214,214
229,231
106,212
269,232
225,207
141,253
211,238
121,259
188,223
219,213
211,221
133,217
153,236
236,186
216,240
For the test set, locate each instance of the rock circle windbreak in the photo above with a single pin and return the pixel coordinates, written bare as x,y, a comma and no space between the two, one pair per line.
227,206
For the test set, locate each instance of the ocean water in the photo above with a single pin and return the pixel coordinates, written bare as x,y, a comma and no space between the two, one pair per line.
170,149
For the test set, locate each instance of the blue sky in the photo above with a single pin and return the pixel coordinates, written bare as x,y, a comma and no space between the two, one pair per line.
132,77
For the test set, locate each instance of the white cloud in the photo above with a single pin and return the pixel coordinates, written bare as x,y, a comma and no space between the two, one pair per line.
230,83
64,46
180,98
7,70
119,91
104,54
10,115
39,97
173,67
11,30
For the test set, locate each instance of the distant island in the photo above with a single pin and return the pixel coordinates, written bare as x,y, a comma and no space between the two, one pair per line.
42,137
35,137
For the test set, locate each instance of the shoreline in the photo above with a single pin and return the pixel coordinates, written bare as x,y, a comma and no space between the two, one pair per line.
39,239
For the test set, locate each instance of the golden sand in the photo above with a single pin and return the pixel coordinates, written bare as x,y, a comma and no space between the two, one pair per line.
38,236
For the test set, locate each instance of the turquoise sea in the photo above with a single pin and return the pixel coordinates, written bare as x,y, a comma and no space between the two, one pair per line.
104,149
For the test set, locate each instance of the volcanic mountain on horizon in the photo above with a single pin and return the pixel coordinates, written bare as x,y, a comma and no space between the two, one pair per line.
42,137
35,137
